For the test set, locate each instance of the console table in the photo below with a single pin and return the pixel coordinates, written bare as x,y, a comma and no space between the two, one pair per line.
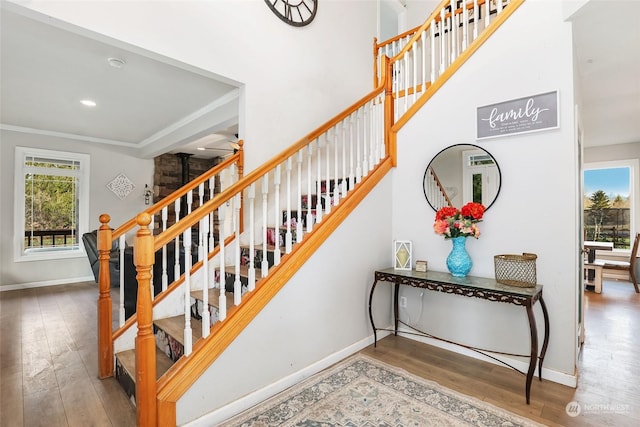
484,288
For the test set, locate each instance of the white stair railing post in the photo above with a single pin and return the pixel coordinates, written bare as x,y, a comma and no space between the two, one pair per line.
165,274
288,240
176,268
299,222
251,195
121,245
265,226
337,180
309,194
212,237
237,283
328,200
352,175
319,209
200,235
277,213
206,319
187,293
222,299
358,120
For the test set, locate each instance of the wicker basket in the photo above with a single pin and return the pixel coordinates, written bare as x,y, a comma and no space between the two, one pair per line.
516,270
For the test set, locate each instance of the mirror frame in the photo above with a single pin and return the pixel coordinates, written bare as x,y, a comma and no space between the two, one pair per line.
471,146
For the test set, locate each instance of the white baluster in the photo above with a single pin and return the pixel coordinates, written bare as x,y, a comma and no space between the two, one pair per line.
288,237
189,201
237,284
475,19
499,6
206,316
352,176
365,141
328,198
165,274
176,268
414,80
358,118
344,158
278,214
453,31
309,195
465,26
265,193
299,228
222,299
406,81
442,45
121,245
252,268
187,293
423,49
336,187
200,235
487,15
152,287
212,237
319,209
432,30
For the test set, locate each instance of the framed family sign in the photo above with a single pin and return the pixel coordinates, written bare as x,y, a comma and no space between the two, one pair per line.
522,115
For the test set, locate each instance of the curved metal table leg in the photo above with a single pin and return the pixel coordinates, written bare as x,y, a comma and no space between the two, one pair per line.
534,349
375,335
545,341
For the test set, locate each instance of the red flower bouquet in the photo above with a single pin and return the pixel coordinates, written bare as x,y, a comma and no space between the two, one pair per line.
451,222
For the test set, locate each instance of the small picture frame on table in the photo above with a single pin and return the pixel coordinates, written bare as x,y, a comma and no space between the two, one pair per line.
402,255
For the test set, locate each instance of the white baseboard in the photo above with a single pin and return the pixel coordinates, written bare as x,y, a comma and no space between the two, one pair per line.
46,283
240,405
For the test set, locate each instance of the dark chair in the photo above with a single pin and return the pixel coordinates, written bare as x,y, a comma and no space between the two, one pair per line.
90,241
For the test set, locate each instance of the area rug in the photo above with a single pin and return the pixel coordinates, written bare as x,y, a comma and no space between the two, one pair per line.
364,392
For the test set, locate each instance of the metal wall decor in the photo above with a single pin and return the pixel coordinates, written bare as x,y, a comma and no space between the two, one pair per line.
121,186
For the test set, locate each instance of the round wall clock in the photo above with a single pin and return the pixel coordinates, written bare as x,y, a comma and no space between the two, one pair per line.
294,12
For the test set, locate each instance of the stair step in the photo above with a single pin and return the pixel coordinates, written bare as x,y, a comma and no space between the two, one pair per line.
214,297
126,368
174,327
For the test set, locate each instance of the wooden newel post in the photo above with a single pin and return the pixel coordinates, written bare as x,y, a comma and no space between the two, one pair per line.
105,343
143,256
390,141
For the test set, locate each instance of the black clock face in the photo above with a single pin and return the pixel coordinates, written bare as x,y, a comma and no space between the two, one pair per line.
294,12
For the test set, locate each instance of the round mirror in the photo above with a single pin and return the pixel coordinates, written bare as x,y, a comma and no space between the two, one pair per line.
460,174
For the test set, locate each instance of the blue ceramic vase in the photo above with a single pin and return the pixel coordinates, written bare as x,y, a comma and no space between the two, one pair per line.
459,262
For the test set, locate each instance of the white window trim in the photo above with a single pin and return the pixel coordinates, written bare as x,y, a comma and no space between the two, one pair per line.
634,173
19,213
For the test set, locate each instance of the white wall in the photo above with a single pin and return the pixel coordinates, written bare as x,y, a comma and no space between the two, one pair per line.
536,210
105,166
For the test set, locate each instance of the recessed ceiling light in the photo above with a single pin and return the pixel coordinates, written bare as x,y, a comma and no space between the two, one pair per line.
201,148
88,103
116,62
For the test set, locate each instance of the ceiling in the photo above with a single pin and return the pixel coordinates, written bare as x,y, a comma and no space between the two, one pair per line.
152,105
144,103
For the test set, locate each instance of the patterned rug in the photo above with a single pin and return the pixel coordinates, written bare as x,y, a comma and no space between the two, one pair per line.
361,391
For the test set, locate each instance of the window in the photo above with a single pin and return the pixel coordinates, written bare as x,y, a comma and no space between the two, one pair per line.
51,203
608,200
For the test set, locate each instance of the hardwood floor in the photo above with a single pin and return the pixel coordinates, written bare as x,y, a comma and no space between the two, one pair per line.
608,389
48,373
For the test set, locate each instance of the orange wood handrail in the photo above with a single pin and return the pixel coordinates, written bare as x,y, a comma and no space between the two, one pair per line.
237,157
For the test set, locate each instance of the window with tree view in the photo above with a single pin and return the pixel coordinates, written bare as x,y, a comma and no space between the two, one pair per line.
608,204
50,191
